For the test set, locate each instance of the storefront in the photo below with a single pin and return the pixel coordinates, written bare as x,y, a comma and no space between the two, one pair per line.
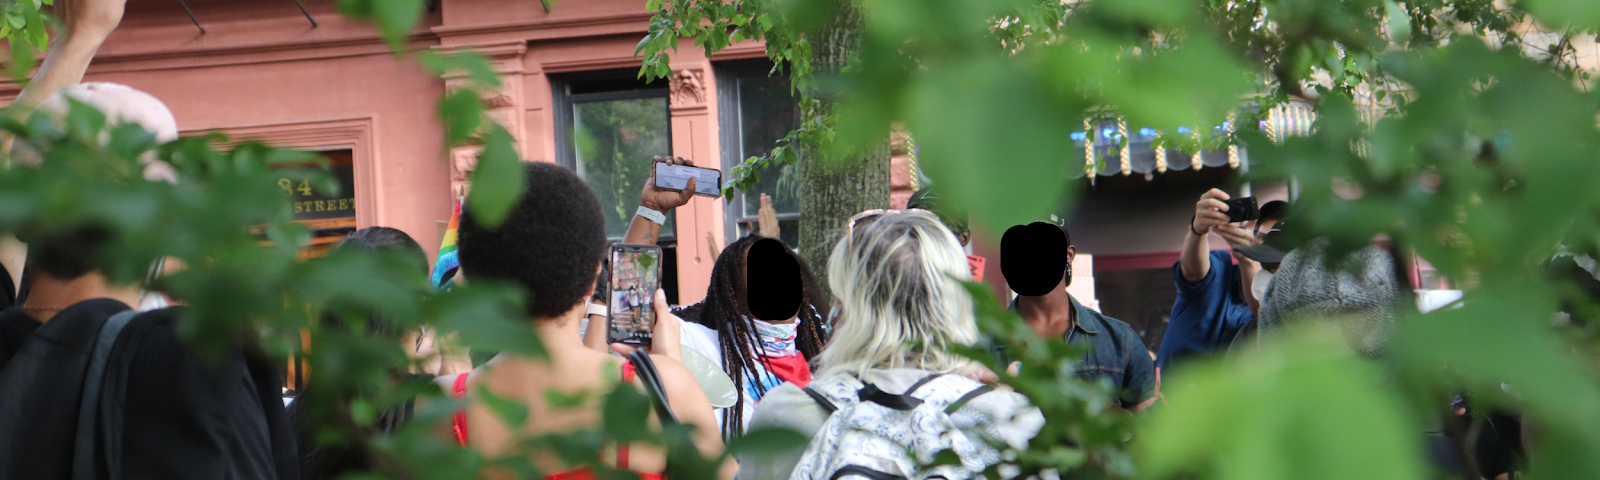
265,70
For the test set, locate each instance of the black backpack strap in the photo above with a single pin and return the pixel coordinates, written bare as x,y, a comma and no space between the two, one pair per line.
83,458
821,400
923,381
904,401
861,471
962,402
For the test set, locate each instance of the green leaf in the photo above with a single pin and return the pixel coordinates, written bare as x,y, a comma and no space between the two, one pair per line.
768,443
395,18
626,411
488,317
1398,28
462,113
84,119
22,60
1560,13
561,401
513,413
499,179
1496,344
1298,408
983,131
37,36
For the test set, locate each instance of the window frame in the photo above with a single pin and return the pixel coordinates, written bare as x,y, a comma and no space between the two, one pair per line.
729,117
563,101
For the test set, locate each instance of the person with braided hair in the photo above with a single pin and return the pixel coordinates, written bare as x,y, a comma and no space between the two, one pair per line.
758,323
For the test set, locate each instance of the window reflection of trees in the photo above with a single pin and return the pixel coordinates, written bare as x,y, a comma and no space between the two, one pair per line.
614,142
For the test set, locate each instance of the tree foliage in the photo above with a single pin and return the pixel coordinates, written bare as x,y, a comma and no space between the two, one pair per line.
1482,162
1465,128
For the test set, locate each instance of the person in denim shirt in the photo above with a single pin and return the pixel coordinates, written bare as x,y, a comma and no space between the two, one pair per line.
1214,292
1037,262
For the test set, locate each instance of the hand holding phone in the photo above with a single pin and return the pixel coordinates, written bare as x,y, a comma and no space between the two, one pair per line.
707,181
635,275
664,339
661,199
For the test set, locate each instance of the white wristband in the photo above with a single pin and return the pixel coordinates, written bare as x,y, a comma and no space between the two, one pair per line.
652,215
595,309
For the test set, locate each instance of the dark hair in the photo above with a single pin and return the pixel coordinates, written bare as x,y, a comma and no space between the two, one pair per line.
1274,210
70,254
375,240
550,244
1034,258
327,461
954,217
385,239
724,310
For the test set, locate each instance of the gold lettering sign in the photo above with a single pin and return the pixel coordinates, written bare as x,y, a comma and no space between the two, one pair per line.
311,203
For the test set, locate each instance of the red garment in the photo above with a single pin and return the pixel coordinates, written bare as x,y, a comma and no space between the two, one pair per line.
792,369
459,421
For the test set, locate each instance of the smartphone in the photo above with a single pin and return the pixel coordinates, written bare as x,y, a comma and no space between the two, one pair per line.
1242,209
635,275
707,181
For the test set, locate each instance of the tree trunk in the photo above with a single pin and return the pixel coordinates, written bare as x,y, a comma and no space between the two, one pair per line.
836,188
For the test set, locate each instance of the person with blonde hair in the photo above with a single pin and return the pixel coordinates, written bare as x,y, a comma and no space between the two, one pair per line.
896,279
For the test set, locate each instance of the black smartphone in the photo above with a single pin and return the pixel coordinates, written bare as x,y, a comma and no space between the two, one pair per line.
1242,209
707,181
635,274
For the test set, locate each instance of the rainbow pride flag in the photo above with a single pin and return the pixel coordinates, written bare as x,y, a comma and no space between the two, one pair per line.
444,269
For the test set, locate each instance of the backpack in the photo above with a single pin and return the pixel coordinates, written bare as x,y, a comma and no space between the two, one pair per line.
97,390
875,435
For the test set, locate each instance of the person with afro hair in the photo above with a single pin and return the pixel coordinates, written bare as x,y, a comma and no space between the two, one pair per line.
551,246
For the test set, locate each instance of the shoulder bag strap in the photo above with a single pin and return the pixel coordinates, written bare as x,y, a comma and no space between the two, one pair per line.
646,369
83,465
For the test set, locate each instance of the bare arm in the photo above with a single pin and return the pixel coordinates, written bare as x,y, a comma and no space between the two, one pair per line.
1209,212
642,231
13,256
85,25
767,218
595,336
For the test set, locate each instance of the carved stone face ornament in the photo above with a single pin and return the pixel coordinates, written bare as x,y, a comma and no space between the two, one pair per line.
687,88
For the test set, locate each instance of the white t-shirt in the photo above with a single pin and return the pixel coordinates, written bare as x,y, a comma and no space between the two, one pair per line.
705,341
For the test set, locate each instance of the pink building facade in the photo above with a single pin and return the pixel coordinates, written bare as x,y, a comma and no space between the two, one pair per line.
262,69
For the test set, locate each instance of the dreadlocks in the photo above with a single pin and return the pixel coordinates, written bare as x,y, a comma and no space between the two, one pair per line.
725,311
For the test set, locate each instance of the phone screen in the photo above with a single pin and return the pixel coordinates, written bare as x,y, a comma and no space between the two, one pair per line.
708,181
635,275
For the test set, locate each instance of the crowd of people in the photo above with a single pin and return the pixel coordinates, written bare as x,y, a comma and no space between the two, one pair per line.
851,374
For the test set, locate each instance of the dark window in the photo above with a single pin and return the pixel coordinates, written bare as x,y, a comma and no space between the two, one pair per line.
331,217
608,127
756,110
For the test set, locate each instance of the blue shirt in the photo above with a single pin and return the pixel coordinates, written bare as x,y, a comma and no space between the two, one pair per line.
1116,355
1207,313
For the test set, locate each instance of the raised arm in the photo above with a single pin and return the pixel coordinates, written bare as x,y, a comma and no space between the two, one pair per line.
643,231
85,25
1209,212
